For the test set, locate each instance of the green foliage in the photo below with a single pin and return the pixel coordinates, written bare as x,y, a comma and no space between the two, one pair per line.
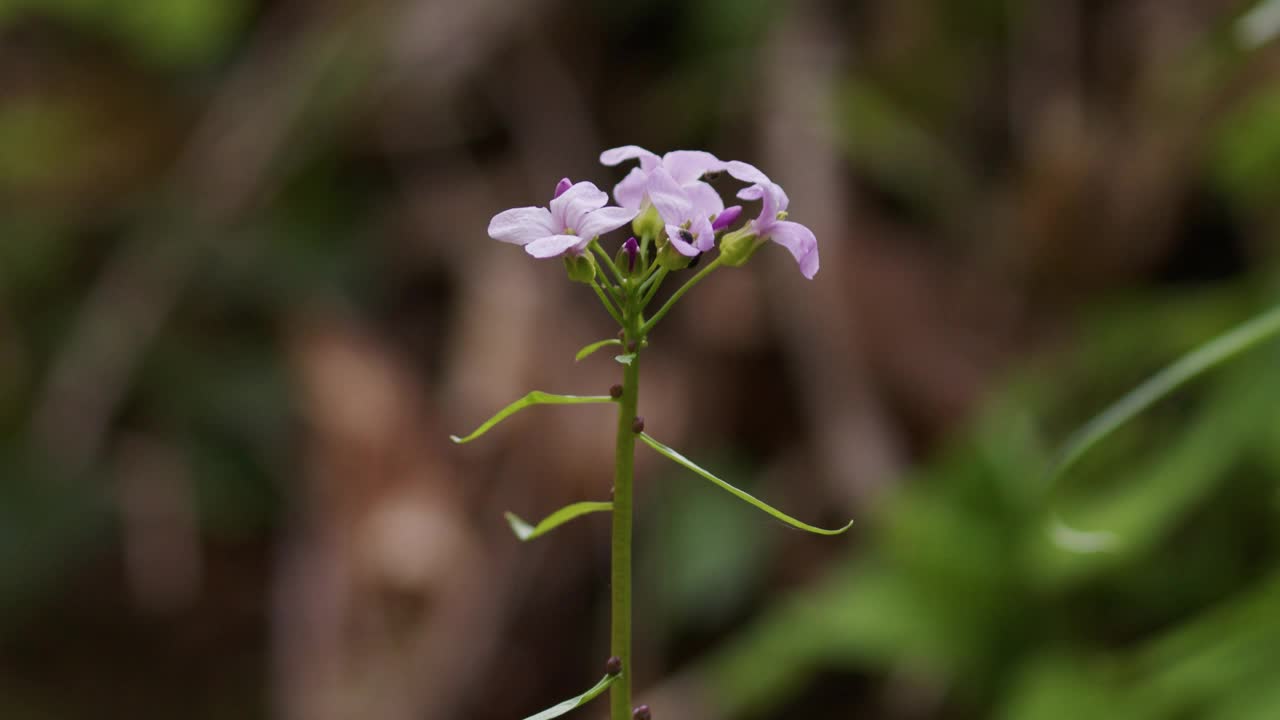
968,581
741,495
169,33
589,349
537,397
576,702
525,531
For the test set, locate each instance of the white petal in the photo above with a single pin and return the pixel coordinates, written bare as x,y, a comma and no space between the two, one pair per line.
675,235
669,198
606,219
706,201
551,246
615,156
701,228
747,173
521,225
687,166
568,210
630,192
801,242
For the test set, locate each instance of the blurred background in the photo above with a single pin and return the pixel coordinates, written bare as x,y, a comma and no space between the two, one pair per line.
246,293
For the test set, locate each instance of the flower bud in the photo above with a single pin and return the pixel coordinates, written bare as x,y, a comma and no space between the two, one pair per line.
648,223
581,268
627,255
726,217
637,425
737,247
641,713
615,392
613,666
564,184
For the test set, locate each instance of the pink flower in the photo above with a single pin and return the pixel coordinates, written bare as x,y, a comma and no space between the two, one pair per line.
688,225
772,223
686,167
577,215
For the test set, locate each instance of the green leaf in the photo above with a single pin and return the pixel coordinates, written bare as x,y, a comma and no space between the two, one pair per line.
537,397
741,495
576,702
594,347
626,359
525,531
1204,358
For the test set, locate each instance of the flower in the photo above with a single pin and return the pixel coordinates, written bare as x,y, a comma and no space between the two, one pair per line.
576,216
686,167
772,224
688,223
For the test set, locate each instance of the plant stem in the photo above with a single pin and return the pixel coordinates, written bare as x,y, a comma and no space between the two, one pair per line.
649,287
671,302
624,470
604,300
608,261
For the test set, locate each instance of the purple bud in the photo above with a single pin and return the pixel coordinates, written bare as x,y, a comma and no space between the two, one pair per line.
637,425
565,184
726,217
613,666
615,392
642,713
631,248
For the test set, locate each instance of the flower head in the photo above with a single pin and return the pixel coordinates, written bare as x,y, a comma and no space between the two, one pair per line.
686,167
772,224
575,216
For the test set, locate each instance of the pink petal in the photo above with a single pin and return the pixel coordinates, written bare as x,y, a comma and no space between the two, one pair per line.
687,166
747,173
568,210
521,225
604,220
800,241
551,246
630,192
669,198
706,201
701,228
618,155
675,235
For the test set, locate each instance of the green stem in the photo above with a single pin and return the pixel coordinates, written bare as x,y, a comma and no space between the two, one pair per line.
608,261
650,286
604,300
624,470
671,302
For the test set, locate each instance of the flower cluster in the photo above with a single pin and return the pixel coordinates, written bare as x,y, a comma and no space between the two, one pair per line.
669,203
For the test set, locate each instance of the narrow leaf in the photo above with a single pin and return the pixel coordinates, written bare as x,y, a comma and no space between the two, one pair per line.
584,352
626,359
741,495
1206,357
572,703
525,531
537,397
